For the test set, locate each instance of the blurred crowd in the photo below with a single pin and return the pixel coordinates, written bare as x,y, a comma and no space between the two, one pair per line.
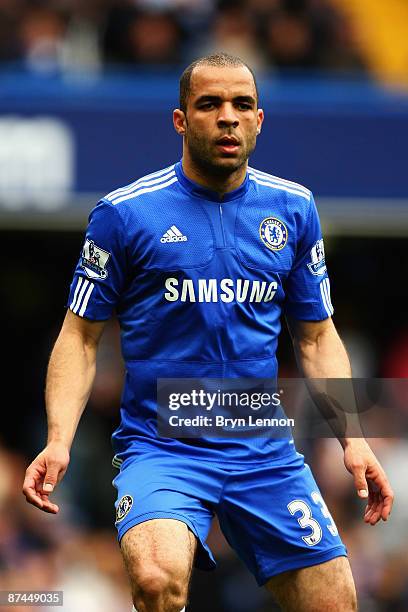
52,35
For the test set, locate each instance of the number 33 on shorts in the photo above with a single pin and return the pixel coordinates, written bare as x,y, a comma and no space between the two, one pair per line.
303,512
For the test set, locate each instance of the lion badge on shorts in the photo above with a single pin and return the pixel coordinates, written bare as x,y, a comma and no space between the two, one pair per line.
273,233
123,508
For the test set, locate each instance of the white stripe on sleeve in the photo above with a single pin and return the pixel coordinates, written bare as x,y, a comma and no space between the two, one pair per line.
326,297
80,296
77,288
86,299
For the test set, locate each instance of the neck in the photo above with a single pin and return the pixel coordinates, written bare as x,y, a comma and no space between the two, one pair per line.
221,184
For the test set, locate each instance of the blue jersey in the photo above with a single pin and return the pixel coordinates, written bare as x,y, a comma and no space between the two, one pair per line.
199,284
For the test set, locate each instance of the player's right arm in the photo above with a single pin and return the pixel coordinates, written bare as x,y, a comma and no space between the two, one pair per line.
70,377
97,286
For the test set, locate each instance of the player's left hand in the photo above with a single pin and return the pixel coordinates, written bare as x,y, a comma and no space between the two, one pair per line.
370,480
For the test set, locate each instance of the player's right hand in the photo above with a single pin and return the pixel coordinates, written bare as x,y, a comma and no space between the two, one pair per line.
44,473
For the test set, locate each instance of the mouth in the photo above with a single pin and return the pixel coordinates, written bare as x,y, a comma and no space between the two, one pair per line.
228,144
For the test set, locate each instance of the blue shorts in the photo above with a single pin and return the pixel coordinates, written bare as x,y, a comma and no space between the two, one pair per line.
272,515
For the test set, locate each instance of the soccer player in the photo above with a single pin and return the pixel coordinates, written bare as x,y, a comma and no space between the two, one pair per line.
200,261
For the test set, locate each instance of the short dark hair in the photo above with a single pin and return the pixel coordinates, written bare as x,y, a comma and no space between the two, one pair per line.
215,59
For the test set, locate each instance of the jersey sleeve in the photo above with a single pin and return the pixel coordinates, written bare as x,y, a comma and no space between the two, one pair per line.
307,289
101,271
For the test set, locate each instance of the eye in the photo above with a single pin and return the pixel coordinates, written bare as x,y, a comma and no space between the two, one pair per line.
244,106
207,106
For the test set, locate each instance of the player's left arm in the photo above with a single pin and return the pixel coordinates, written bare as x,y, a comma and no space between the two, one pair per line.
321,354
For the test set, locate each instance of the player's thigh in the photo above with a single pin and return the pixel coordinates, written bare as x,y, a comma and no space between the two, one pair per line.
159,553
327,587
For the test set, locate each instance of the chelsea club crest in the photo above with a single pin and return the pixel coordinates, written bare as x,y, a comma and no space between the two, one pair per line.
124,506
273,233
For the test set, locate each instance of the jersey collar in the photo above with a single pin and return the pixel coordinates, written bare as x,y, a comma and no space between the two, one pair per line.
208,194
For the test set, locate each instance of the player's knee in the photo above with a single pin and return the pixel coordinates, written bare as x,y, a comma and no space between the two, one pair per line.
155,585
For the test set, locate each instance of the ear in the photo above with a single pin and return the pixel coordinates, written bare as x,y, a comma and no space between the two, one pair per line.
260,120
179,121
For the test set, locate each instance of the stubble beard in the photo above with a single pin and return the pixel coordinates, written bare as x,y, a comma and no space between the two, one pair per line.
203,158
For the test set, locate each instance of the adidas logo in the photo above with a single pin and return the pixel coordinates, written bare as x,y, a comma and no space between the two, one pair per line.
173,235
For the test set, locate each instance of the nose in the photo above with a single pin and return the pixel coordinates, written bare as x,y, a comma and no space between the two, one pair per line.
227,116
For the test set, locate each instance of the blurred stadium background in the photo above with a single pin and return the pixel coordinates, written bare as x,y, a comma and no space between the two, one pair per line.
86,92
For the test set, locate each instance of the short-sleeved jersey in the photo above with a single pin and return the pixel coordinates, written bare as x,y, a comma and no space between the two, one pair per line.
199,284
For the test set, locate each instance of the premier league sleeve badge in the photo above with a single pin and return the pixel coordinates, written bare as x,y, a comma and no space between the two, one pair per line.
318,265
94,260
